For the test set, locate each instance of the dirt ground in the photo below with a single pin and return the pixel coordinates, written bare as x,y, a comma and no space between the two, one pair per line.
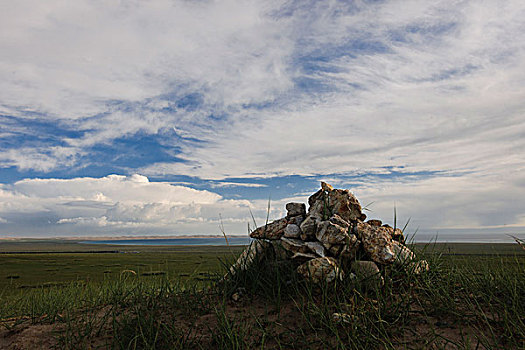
282,328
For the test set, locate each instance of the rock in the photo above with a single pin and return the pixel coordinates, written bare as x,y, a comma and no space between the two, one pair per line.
303,257
377,243
397,235
299,246
292,231
418,267
336,249
254,252
294,245
320,269
273,230
332,232
309,227
368,273
316,248
374,222
403,255
329,201
364,269
320,209
326,187
329,233
296,220
336,219
345,205
315,197
296,209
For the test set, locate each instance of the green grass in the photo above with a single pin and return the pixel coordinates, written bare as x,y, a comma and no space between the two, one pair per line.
466,301
23,271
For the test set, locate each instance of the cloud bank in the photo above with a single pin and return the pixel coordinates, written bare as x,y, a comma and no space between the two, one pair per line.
115,204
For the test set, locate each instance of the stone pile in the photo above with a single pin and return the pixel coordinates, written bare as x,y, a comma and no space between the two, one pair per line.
330,239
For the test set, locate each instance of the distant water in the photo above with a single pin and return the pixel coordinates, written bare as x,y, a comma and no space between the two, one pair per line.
451,237
176,241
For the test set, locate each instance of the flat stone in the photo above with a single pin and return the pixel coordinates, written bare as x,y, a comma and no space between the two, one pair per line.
296,209
303,257
316,248
294,245
377,243
298,246
292,231
320,269
273,230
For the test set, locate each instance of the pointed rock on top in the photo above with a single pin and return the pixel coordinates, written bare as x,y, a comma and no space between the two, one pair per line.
326,187
328,201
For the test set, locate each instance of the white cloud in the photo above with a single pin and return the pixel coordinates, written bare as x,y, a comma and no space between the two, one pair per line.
117,204
67,59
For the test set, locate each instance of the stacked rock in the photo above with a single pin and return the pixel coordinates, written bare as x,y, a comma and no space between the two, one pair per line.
330,236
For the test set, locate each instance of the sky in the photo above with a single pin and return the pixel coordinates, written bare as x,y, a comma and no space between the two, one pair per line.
171,117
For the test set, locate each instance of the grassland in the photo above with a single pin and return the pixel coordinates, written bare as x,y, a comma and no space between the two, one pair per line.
35,264
473,298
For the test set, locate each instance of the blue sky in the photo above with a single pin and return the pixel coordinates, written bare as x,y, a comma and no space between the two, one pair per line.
157,117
